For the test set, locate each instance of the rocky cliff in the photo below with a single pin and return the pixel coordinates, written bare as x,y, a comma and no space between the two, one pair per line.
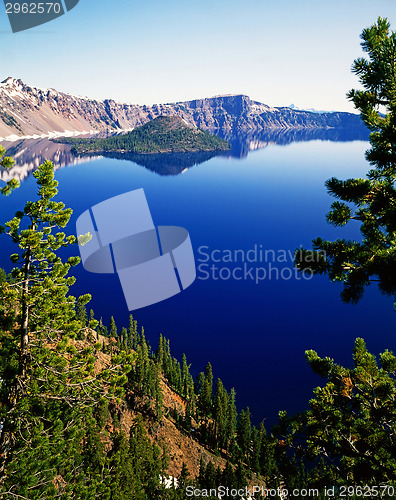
30,111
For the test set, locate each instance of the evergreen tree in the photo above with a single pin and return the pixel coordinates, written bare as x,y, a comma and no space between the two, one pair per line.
370,201
240,476
232,416
256,450
244,432
188,415
159,355
113,332
125,483
210,476
185,376
132,333
202,472
124,338
351,422
199,383
220,414
295,478
205,396
228,476
267,459
209,374
81,312
102,330
48,379
156,391
183,478
137,466
92,323
141,372
190,388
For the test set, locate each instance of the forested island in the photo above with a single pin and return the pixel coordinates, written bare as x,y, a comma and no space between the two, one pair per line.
165,134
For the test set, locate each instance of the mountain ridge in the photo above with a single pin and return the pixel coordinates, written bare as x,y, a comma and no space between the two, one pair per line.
27,111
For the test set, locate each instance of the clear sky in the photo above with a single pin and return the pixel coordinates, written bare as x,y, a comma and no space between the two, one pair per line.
276,51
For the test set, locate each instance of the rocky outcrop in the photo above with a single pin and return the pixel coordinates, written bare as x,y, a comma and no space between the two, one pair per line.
30,111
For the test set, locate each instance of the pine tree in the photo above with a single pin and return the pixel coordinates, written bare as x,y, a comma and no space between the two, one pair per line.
351,420
228,476
244,432
183,478
185,376
125,482
267,459
113,332
159,355
188,415
141,373
81,312
240,476
49,384
124,338
92,323
231,426
209,374
132,333
370,201
210,476
137,466
199,383
205,396
220,414
156,390
256,450
201,478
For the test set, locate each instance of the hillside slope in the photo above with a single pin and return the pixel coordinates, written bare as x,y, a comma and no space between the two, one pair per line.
180,444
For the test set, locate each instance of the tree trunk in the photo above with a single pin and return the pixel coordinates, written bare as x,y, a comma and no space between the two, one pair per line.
24,328
17,386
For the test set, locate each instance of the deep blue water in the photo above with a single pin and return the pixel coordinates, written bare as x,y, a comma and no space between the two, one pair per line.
254,335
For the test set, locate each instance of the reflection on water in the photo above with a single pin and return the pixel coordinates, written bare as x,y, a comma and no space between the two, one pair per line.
165,163
242,143
30,153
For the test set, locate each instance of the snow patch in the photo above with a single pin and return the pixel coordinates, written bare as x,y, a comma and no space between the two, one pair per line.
168,482
50,135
